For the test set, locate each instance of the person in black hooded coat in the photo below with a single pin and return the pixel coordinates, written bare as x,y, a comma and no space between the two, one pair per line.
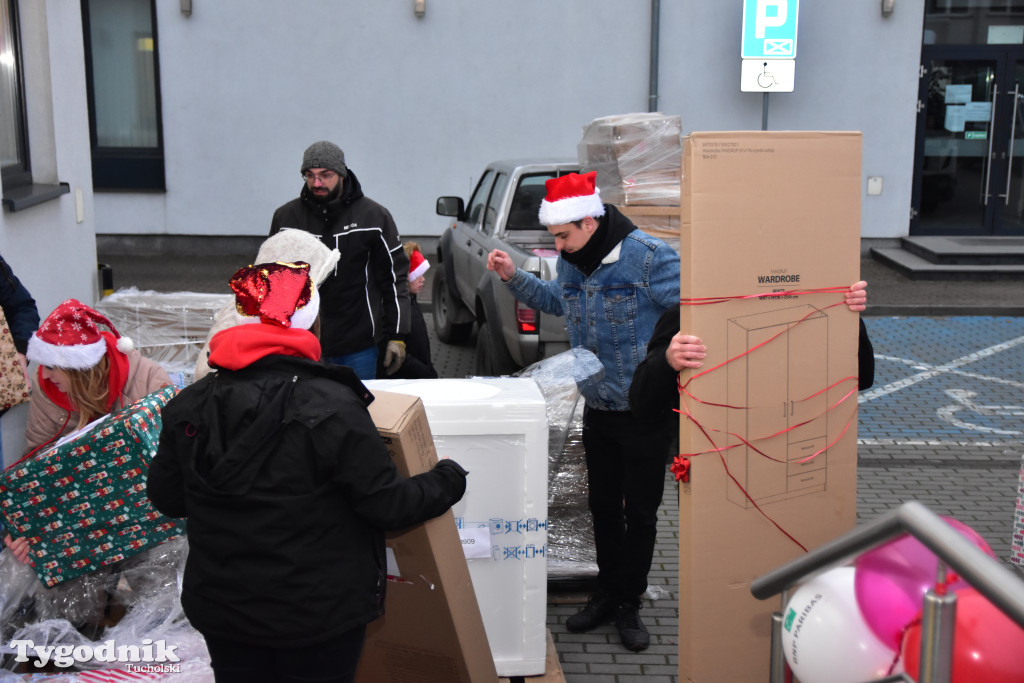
287,490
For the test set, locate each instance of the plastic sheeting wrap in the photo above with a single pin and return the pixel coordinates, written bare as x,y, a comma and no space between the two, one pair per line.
638,158
1017,542
169,328
142,591
562,379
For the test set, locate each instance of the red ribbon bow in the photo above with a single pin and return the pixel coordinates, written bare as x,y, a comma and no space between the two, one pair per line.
681,468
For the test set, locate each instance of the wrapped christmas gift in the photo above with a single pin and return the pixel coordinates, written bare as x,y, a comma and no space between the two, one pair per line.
82,504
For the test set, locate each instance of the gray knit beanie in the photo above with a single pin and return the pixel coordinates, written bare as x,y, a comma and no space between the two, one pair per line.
324,154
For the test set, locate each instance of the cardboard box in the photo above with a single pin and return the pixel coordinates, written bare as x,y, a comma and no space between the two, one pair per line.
432,629
764,212
636,156
497,429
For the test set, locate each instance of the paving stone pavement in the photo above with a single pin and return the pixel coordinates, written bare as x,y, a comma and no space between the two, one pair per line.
942,425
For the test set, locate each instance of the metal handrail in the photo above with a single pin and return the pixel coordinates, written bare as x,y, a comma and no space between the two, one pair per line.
988,576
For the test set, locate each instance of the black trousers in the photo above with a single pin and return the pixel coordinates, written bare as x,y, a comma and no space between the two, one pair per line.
333,661
626,478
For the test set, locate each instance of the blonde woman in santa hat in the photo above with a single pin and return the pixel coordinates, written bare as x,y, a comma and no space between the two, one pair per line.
287,489
84,373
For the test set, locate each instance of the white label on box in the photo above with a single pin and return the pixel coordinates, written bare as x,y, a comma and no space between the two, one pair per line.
392,563
476,542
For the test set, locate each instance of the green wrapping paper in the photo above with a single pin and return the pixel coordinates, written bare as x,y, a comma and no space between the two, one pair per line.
82,504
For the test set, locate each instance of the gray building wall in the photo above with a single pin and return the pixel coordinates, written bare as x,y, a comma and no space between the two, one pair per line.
419,105
52,246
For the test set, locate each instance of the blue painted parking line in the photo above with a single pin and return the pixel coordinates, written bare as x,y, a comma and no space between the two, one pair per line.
949,381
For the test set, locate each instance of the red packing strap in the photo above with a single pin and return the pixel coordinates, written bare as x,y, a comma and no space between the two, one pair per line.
717,449
704,301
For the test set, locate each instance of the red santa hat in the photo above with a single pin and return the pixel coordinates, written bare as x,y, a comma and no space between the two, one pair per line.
418,265
570,198
70,339
278,293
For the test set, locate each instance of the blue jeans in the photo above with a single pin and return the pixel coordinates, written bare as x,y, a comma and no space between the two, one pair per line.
364,362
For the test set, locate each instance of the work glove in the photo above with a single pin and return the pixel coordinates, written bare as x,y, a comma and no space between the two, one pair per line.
455,478
394,356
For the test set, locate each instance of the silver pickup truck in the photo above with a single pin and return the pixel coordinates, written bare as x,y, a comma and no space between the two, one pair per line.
501,214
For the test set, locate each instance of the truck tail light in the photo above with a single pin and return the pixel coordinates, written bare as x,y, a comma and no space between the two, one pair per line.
526,319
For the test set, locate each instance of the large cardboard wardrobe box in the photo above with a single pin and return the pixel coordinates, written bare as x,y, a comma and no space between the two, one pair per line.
774,414
432,629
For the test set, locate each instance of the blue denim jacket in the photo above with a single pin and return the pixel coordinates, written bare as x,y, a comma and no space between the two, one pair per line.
611,313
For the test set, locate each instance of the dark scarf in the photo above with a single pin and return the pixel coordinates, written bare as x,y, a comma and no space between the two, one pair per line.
611,229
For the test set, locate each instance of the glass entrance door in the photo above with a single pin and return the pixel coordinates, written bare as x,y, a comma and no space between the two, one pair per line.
969,158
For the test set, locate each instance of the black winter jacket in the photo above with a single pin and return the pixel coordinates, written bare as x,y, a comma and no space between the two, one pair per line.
366,300
18,306
287,490
418,364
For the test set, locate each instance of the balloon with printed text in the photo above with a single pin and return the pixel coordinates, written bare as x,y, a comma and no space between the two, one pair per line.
824,636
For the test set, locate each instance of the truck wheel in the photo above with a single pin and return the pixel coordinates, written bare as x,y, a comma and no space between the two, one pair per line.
492,358
444,309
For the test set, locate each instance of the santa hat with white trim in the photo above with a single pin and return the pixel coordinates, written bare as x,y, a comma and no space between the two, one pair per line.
70,339
570,198
418,265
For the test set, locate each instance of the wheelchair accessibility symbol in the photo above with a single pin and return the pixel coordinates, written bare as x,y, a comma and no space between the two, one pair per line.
964,406
765,78
767,75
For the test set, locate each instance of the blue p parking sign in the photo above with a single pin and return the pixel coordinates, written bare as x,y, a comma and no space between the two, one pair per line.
769,29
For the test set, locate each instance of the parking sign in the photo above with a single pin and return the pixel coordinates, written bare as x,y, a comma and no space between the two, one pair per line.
769,29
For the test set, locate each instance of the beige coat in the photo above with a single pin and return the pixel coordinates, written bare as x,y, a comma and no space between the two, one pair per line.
45,417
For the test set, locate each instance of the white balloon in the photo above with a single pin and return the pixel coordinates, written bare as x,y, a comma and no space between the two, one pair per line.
825,637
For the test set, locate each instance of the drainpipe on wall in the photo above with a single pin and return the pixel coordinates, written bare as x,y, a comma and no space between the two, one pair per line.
652,97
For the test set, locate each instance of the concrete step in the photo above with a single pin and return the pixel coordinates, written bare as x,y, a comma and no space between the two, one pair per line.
966,250
917,268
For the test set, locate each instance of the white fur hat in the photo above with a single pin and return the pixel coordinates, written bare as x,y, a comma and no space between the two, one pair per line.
291,245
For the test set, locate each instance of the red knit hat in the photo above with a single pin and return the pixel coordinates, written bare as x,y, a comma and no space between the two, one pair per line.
570,198
418,265
69,339
276,293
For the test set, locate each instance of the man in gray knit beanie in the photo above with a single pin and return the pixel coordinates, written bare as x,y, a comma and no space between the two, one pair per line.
364,301
324,154
323,167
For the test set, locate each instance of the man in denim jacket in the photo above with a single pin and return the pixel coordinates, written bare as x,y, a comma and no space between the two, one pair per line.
613,283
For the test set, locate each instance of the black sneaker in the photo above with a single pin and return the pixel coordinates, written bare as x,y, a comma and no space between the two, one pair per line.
632,631
599,610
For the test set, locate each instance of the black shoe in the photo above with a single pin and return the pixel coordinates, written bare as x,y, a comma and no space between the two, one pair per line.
632,631
599,610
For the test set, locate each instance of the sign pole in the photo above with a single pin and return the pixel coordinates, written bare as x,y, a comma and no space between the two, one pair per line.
764,112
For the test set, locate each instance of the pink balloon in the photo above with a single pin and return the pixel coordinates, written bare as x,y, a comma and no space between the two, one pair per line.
891,580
